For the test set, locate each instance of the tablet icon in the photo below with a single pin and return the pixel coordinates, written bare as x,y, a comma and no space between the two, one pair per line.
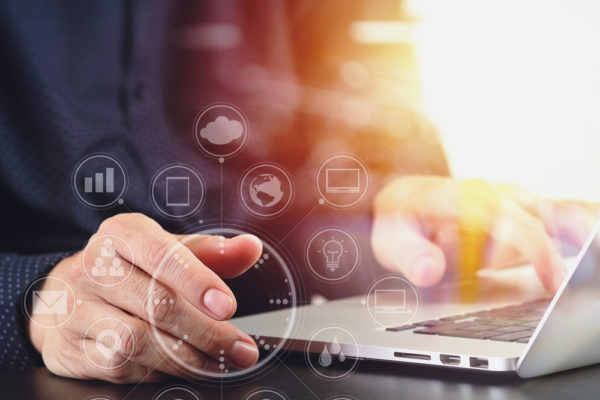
177,191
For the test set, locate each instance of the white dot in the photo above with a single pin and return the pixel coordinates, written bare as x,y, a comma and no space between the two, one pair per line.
180,342
266,256
261,261
222,251
363,302
221,160
120,201
181,261
175,347
221,244
261,342
79,302
221,351
186,266
285,301
221,366
176,256
200,221
156,301
164,301
321,201
271,301
186,337
222,359
278,301
171,301
255,266
267,347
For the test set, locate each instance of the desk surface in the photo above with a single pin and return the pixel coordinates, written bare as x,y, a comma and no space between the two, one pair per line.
370,381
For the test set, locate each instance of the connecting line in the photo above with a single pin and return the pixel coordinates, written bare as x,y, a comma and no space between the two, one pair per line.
127,208
295,226
221,196
150,370
298,378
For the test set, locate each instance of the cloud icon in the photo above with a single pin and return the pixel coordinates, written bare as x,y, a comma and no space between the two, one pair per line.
222,131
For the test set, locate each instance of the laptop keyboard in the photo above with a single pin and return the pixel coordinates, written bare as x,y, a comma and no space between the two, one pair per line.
514,323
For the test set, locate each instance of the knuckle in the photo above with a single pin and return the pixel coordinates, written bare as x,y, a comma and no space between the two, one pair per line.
158,250
211,338
160,305
128,335
118,375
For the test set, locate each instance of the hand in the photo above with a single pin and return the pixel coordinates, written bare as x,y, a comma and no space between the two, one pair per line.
195,319
426,226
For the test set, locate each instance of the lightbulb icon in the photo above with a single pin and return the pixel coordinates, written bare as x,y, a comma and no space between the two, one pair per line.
332,251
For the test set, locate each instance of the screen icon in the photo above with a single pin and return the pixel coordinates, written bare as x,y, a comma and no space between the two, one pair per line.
390,301
342,180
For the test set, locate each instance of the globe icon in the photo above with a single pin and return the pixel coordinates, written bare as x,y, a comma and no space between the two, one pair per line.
265,190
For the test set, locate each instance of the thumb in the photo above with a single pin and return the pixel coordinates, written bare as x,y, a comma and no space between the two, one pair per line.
228,258
400,246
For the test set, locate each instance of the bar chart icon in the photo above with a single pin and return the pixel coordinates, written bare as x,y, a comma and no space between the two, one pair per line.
101,182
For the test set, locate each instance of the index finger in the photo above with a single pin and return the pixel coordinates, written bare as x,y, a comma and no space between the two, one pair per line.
162,256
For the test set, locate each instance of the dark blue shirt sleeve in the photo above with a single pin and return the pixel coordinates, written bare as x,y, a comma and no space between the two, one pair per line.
16,273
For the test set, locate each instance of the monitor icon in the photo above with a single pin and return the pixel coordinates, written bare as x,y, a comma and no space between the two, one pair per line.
390,301
342,180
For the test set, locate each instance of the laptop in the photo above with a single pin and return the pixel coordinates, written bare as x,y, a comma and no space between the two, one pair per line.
530,333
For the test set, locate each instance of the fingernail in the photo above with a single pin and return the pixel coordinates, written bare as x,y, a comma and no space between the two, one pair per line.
424,270
253,238
244,354
218,303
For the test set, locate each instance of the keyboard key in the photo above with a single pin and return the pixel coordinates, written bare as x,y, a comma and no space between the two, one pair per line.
469,335
512,337
511,329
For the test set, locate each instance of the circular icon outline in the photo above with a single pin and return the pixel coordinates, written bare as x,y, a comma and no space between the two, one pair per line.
283,172
363,192
89,157
367,303
35,284
291,321
230,107
307,353
126,359
350,272
177,387
269,390
131,261
188,168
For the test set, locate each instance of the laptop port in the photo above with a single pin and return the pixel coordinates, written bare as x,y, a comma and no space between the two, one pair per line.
448,359
478,362
413,356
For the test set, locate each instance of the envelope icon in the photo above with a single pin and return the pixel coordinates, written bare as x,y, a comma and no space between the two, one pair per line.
50,302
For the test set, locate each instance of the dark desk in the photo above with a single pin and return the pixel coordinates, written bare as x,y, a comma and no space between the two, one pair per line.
370,381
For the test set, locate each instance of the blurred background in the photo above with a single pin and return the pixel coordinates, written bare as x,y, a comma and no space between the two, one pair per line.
513,86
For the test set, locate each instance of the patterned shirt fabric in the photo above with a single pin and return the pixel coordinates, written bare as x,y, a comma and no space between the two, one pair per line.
128,77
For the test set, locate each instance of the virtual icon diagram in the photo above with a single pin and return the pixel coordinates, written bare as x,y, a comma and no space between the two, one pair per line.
332,352
99,180
342,181
266,190
107,342
332,254
221,130
177,191
177,393
103,264
392,301
49,296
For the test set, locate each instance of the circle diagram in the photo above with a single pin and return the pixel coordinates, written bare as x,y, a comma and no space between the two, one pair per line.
108,260
178,393
266,394
332,352
51,299
99,180
268,286
332,254
177,191
342,181
266,190
107,344
221,130
392,301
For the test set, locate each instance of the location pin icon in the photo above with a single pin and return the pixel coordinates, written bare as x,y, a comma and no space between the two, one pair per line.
108,351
